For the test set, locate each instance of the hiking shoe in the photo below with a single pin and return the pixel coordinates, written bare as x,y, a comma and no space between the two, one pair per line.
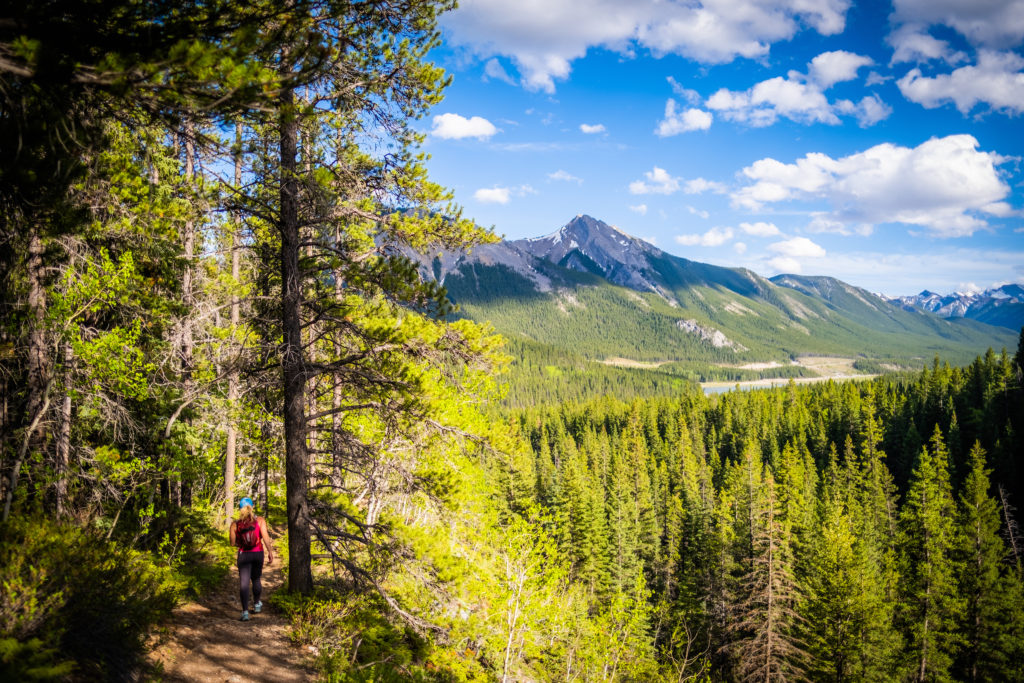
257,608
245,615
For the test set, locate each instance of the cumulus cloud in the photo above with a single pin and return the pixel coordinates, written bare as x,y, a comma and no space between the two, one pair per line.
543,38
492,195
911,43
801,97
565,176
640,209
660,181
687,94
698,212
701,185
942,185
455,127
797,247
494,69
990,23
712,238
785,264
683,121
591,129
760,229
740,247
869,111
830,68
501,195
996,80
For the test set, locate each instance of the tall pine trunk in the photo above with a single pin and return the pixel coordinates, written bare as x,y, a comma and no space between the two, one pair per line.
232,437
300,576
37,385
63,445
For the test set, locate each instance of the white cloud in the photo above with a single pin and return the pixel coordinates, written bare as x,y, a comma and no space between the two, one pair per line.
455,127
565,176
675,122
543,37
912,44
760,229
785,264
640,209
712,238
823,222
740,247
801,97
658,182
830,68
700,186
591,129
941,270
985,23
942,185
869,111
492,195
797,247
997,80
698,212
501,195
691,96
494,69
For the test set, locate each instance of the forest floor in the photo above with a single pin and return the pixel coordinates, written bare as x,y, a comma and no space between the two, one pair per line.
205,641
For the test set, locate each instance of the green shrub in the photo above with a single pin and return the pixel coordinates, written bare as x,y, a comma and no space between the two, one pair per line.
70,596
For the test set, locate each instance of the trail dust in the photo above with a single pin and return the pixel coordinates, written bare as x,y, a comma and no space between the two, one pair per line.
206,642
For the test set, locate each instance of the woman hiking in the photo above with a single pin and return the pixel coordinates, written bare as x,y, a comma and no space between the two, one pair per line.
249,533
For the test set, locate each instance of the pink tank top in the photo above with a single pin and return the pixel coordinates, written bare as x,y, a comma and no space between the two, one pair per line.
258,548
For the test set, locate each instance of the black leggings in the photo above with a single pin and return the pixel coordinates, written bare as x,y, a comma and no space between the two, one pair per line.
250,566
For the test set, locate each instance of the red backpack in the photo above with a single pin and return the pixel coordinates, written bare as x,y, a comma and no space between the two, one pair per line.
247,534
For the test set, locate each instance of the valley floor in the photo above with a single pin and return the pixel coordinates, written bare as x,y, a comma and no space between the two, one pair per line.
828,368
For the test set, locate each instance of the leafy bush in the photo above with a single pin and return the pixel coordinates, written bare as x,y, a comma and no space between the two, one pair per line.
355,642
71,599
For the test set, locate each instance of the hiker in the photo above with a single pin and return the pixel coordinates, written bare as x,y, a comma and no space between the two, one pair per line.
249,533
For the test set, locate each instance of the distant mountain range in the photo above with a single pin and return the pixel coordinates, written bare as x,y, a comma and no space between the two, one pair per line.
594,291
1003,306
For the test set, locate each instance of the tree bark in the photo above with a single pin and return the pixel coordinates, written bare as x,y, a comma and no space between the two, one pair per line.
229,450
300,576
63,450
37,384
178,487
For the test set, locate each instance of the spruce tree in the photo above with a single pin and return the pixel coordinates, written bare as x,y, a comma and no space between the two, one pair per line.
930,606
983,578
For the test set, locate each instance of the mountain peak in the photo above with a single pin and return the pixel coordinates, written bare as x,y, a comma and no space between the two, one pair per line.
589,245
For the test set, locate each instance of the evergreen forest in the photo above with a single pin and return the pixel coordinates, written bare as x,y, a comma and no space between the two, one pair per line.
206,211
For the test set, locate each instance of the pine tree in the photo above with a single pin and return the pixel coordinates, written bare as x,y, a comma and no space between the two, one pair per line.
983,577
764,644
929,604
847,621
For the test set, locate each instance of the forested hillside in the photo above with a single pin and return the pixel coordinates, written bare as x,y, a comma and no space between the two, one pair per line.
204,215
857,531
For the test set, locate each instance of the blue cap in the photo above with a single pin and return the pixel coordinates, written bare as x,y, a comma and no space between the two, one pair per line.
245,501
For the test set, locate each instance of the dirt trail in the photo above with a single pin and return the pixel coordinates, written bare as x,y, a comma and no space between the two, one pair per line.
207,642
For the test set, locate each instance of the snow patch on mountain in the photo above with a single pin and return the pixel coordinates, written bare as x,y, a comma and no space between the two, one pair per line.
1003,305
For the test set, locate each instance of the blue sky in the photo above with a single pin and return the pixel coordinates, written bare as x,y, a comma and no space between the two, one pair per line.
880,143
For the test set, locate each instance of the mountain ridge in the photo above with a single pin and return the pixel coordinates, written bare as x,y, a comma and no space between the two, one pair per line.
593,289
1003,305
